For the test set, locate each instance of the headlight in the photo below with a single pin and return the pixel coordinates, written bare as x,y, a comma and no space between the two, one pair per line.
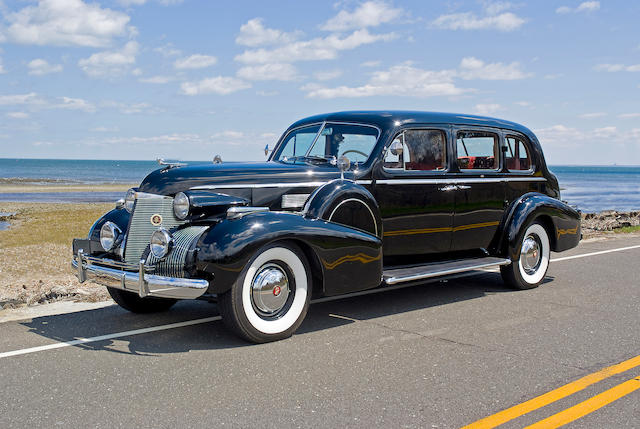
161,242
109,234
129,199
181,205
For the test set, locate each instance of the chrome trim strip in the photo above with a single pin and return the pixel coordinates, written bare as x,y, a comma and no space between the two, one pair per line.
395,280
369,182
260,185
239,211
139,282
444,181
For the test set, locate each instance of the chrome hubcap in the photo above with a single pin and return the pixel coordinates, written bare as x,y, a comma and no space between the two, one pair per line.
531,254
270,289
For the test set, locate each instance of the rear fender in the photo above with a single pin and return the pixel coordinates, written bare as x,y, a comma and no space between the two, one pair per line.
350,260
561,221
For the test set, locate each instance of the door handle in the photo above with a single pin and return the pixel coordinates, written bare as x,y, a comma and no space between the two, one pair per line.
449,188
464,187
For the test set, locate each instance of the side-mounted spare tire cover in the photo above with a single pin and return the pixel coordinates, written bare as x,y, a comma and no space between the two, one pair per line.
346,203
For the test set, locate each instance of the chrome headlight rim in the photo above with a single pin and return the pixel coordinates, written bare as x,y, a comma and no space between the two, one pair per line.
161,243
181,205
110,234
129,200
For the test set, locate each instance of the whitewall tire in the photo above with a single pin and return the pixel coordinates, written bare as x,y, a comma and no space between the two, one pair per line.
529,270
270,299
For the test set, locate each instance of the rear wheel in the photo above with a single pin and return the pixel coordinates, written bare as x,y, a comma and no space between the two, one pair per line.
132,301
270,299
529,269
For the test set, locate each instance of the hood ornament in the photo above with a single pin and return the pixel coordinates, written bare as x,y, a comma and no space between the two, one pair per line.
217,159
169,165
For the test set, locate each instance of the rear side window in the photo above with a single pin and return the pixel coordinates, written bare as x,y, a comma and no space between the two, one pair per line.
517,156
417,150
477,150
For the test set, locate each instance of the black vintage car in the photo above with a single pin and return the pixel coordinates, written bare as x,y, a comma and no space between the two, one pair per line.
346,202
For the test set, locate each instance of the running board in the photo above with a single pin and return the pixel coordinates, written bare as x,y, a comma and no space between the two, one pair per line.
437,269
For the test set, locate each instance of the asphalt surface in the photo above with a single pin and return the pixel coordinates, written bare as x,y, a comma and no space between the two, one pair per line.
442,354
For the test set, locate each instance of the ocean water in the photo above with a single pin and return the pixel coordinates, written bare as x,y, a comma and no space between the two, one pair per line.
591,189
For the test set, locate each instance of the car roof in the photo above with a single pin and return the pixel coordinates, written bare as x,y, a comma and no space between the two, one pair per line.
393,118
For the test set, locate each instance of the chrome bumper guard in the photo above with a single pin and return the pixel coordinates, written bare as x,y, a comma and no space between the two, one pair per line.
112,273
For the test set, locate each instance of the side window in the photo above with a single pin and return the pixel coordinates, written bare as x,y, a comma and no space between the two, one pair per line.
417,150
517,156
477,150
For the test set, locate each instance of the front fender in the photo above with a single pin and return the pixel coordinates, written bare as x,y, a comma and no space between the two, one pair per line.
562,222
118,216
348,260
347,203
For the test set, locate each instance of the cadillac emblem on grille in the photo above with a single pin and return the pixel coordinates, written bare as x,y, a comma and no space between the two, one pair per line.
156,219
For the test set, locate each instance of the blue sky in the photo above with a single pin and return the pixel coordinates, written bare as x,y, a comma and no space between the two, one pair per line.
140,79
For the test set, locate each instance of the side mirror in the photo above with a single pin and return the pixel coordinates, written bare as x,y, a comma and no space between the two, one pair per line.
396,148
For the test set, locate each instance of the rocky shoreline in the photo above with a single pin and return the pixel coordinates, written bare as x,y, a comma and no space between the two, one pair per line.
594,224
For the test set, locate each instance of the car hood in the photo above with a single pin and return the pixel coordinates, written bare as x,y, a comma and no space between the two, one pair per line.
168,181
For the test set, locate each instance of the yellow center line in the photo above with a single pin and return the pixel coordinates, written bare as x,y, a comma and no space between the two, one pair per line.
588,406
554,395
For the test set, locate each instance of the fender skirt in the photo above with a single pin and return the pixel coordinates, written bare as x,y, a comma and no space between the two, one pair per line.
346,259
561,221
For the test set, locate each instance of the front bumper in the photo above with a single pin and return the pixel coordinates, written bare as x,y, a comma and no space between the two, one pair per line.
112,273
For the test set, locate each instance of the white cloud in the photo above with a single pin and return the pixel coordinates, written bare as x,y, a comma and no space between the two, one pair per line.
273,71
629,115
172,138
2,70
559,135
617,67
487,109
69,103
371,63
39,67
321,48
473,68
21,99
66,23
254,33
131,108
399,80
18,115
494,18
168,50
141,2
110,63
552,76
523,103
220,85
367,14
105,129
587,6
229,134
262,93
593,115
327,74
157,79
196,61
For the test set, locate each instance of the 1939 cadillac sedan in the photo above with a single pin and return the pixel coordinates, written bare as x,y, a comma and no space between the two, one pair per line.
346,202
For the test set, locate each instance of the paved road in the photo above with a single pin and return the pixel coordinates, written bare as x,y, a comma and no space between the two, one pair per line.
443,354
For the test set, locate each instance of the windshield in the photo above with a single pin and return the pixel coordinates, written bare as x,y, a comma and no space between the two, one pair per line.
334,140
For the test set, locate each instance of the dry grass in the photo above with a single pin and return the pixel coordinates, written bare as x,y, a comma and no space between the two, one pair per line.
35,252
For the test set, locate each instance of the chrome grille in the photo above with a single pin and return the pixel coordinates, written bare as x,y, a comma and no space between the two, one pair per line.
141,228
173,264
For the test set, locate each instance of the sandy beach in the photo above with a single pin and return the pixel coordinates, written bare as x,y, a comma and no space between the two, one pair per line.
35,248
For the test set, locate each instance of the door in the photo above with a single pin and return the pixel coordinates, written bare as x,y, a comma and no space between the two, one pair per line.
415,198
480,194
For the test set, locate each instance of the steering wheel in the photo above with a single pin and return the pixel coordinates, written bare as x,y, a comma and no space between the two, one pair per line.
356,151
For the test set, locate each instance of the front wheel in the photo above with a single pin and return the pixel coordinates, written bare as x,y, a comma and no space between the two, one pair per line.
270,299
529,269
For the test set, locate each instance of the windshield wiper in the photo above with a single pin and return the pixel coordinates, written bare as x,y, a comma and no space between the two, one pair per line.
312,158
